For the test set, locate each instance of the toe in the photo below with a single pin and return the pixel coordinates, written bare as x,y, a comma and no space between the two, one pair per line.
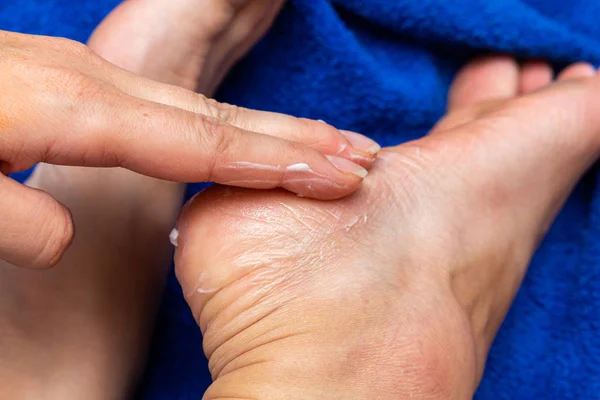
476,87
534,76
577,70
485,79
532,150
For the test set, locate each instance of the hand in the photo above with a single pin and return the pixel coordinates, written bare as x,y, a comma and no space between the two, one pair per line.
106,289
62,104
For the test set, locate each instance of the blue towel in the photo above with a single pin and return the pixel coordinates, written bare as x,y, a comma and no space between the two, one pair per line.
383,67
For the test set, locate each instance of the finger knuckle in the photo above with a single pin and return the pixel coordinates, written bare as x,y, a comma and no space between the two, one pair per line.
224,138
223,112
73,48
56,233
74,53
78,85
80,96
218,139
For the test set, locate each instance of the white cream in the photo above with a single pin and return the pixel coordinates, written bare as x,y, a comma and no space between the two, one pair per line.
198,289
343,147
251,165
203,291
173,237
300,167
351,224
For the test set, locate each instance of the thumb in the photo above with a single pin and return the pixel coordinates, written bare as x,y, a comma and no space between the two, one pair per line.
36,229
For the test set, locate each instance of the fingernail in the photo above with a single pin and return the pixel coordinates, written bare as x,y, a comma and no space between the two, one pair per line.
361,142
347,166
174,236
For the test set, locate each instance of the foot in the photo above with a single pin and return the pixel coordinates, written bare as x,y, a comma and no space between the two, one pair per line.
188,44
399,290
81,329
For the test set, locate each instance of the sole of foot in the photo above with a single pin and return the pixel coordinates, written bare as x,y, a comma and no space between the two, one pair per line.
398,290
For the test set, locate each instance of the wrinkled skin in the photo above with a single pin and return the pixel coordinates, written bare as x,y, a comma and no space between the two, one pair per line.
398,290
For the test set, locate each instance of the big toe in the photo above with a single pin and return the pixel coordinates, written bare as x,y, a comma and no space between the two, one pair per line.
478,85
485,79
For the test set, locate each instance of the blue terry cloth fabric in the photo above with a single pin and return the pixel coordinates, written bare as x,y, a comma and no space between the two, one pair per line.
383,67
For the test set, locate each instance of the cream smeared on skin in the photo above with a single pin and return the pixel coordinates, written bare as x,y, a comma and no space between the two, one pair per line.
276,235
351,223
247,164
312,179
300,167
198,289
202,291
